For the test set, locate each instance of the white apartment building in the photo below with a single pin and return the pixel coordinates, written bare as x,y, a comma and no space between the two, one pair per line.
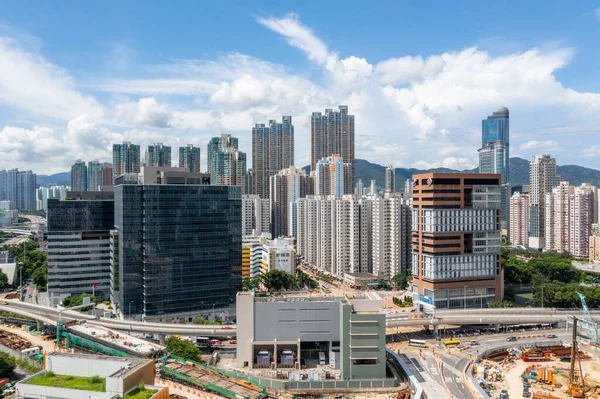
391,234
334,233
542,179
569,216
260,255
256,215
519,219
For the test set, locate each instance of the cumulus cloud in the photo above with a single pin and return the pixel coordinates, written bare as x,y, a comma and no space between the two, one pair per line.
30,82
591,152
598,13
539,145
145,112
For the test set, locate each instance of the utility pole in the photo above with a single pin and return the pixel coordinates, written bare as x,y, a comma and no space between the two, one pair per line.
21,274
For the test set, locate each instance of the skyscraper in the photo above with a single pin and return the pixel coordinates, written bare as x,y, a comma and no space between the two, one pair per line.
79,176
94,175
519,219
272,151
542,179
256,215
390,179
19,187
456,240
107,173
79,245
226,164
189,158
158,154
494,154
333,133
126,158
331,173
286,187
182,258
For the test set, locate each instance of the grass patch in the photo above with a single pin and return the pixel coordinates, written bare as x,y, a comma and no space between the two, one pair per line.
140,394
27,366
50,379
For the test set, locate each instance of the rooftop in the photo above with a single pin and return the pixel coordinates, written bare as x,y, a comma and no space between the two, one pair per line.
96,384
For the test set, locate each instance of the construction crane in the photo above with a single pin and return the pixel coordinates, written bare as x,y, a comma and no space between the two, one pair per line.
575,388
589,320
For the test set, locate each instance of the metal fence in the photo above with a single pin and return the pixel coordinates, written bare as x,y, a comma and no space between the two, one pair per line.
32,361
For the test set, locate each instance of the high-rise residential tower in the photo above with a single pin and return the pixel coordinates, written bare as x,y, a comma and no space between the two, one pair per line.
456,240
256,215
94,175
542,179
18,187
390,179
158,154
79,176
333,133
519,219
286,187
494,154
107,173
331,174
184,257
126,158
226,164
272,151
189,158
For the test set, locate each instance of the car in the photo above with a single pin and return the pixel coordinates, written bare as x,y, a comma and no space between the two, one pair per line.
551,336
233,342
474,343
565,358
511,339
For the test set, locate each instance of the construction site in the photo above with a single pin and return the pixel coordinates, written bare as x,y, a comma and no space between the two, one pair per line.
14,341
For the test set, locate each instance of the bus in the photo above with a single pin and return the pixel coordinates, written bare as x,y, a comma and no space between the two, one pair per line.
202,341
451,342
417,342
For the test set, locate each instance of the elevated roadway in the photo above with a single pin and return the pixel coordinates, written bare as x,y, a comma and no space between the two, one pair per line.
448,317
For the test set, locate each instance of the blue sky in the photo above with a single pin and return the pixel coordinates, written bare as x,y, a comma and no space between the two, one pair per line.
77,76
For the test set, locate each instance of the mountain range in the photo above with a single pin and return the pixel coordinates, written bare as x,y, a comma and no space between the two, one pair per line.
367,171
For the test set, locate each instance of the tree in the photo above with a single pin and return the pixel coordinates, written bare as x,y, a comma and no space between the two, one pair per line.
203,321
182,348
277,280
40,278
77,300
250,284
304,280
3,280
401,280
7,365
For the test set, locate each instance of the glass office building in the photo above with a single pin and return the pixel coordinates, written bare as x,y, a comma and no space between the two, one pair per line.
180,248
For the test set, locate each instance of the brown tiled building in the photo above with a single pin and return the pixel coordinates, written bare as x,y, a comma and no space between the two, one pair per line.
456,239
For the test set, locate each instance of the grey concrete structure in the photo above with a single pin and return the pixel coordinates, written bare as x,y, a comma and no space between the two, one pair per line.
350,332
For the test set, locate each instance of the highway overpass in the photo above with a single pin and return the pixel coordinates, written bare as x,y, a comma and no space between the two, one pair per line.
508,316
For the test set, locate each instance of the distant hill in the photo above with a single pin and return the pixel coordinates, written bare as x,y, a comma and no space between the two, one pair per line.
60,179
367,171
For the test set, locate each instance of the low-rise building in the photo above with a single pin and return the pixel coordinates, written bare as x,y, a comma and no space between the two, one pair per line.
260,255
361,279
75,376
347,334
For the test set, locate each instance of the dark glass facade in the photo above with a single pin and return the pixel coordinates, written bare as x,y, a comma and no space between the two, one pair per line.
80,215
179,247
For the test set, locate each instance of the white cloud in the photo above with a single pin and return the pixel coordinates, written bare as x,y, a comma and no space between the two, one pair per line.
145,112
458,163
591,152
539,145
30,82
598,13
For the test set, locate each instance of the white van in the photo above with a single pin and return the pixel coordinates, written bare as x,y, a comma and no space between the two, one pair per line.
322,358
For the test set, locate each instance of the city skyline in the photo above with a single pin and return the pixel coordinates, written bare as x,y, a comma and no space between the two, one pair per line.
297,64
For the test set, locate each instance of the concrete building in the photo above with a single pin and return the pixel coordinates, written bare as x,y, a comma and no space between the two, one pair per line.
456,240
226,164
260,255
79,176
79,245
391,235
158,154
348,334
581,214
594,249
189,158
107,173
272,151
558,218
330,176
390,179
94,175
333,133
334,233
126,158
360,189
8,215
182,258
542,179
286,187
519,219
19,187
119,375
256,215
